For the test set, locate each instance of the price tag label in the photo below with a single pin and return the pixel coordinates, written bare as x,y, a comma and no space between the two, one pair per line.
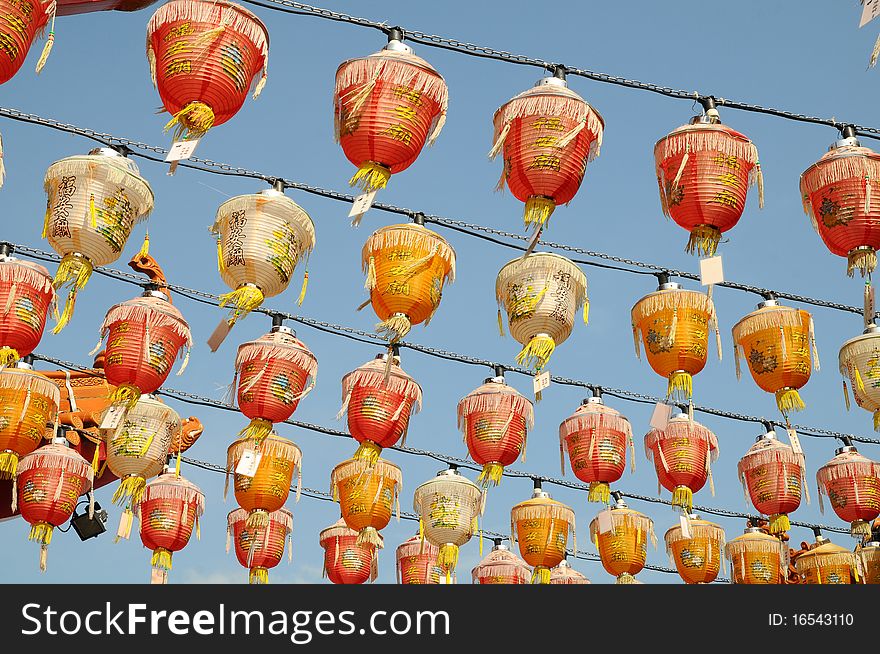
124,529
159,576
113,418
182,150
795,442
685,526
248,463
661,415
606,523
870,11
360,206
541,381
219,335
711,271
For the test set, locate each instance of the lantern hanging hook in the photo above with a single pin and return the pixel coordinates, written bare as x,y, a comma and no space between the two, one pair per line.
122,149
6,249
418,218
847,132
559,71
395,33
499,370
597,391
278,184
846,440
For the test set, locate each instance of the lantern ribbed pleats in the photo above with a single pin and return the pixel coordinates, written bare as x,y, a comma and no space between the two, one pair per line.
868,562
771,475
624,548
26,294
417,562
541,294
564,574
22,19
267,490
852,484
367,493
756,558
541,526
698,556
827,564
28,405
859,361
259,548
345,560
501,566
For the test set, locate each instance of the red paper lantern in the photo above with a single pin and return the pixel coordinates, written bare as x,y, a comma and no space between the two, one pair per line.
273,372
495,419
548,133
704,171
168,510
50,481
417,562
22,19
682,453
501,566
144,337
837,194
26,293
379,405
771,475
345,561
595,437
74,7
260,548
386,106
204,56
852,483
564,574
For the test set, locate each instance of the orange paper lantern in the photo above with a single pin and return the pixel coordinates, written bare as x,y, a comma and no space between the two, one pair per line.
623,548
541,526
826,563
868,562
366,493
697,555
757,558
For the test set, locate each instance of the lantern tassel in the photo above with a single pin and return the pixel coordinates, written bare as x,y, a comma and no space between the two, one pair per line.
368,451
191,122
788,399
257,430
572,134
370,281
125,395
538,210
44,556
93,213
447,558
8,357
586,311
257,519
8,465
683,497
490,475
370,536
599,492
760,175
703,240
258,576
145,246
499,142
131,488
541,575
500,324
680,172
865,260
815,350
859,529
370,176
637,342
779,523
875,53
302,291
161,559
73,271
245,298
41,532
50,40
395,327
96,458
537,352
260,85
680,386
877,420
846,395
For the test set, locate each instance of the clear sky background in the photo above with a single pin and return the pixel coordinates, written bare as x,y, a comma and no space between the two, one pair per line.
808,57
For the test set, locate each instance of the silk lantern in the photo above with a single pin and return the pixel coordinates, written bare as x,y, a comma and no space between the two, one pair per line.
776,342
826,563
541,293
366,493
868,562
274,372
406,267
23,20
264,488
548,134
852,483
564,574
757,558
261,238
137,450
595,437
674,325
697,555
386,106
859,361
346,561
541,526
771,474
449,506
144,337
501,566
94,201
704,171
260,548
28,403
622,541
417,562
495,419
682,453
379,405
50,481
836,193
168,511
26,295
204,56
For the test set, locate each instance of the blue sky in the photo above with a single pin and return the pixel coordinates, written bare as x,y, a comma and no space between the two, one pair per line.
754,51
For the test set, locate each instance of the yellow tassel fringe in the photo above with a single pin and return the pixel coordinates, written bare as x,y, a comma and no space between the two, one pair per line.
599,492
370,177
370,536
8,465
490,475
245,299
865,261
8,357
302,291
394,328
257,519
145,247
448,558
684,497
73,271
259,576
161,559
368,451
537,352
538,210
257,430
680,386
779,523
191,122
703,240
788,399
541,575
41,532
126,395
130,488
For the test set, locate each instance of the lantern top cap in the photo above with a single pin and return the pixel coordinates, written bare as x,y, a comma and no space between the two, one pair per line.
871,543
844,449
105,152
711,117
552,81
396,45
753,530
60,440
155,292
282,329
25,363
592,400
872,329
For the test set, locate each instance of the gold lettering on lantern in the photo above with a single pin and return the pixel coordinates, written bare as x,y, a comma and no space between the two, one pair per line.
545,162
399,255
63,205
729,179
180,30
729,161
444,512
399,133
7,42
232,61
178,66
398,288
548,123
285,251
725,198
545,142
233,247
114,359
406,113
116,342
115,219
408,95
24,6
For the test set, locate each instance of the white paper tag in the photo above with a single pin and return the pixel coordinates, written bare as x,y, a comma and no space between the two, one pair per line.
113,417
248,463
182,150
219,335
124,529
870,11
159,576
711,270
794,441
606,523
532,243
541,381
660,417
685,526
361,205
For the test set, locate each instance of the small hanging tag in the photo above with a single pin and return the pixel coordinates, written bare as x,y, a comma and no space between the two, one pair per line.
360,206
711,271
533,243
661,415
159,576
685,526
219,335
870,11
113,417
182,150
248,463
606,523
869,307
125,521
541,381
794,441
